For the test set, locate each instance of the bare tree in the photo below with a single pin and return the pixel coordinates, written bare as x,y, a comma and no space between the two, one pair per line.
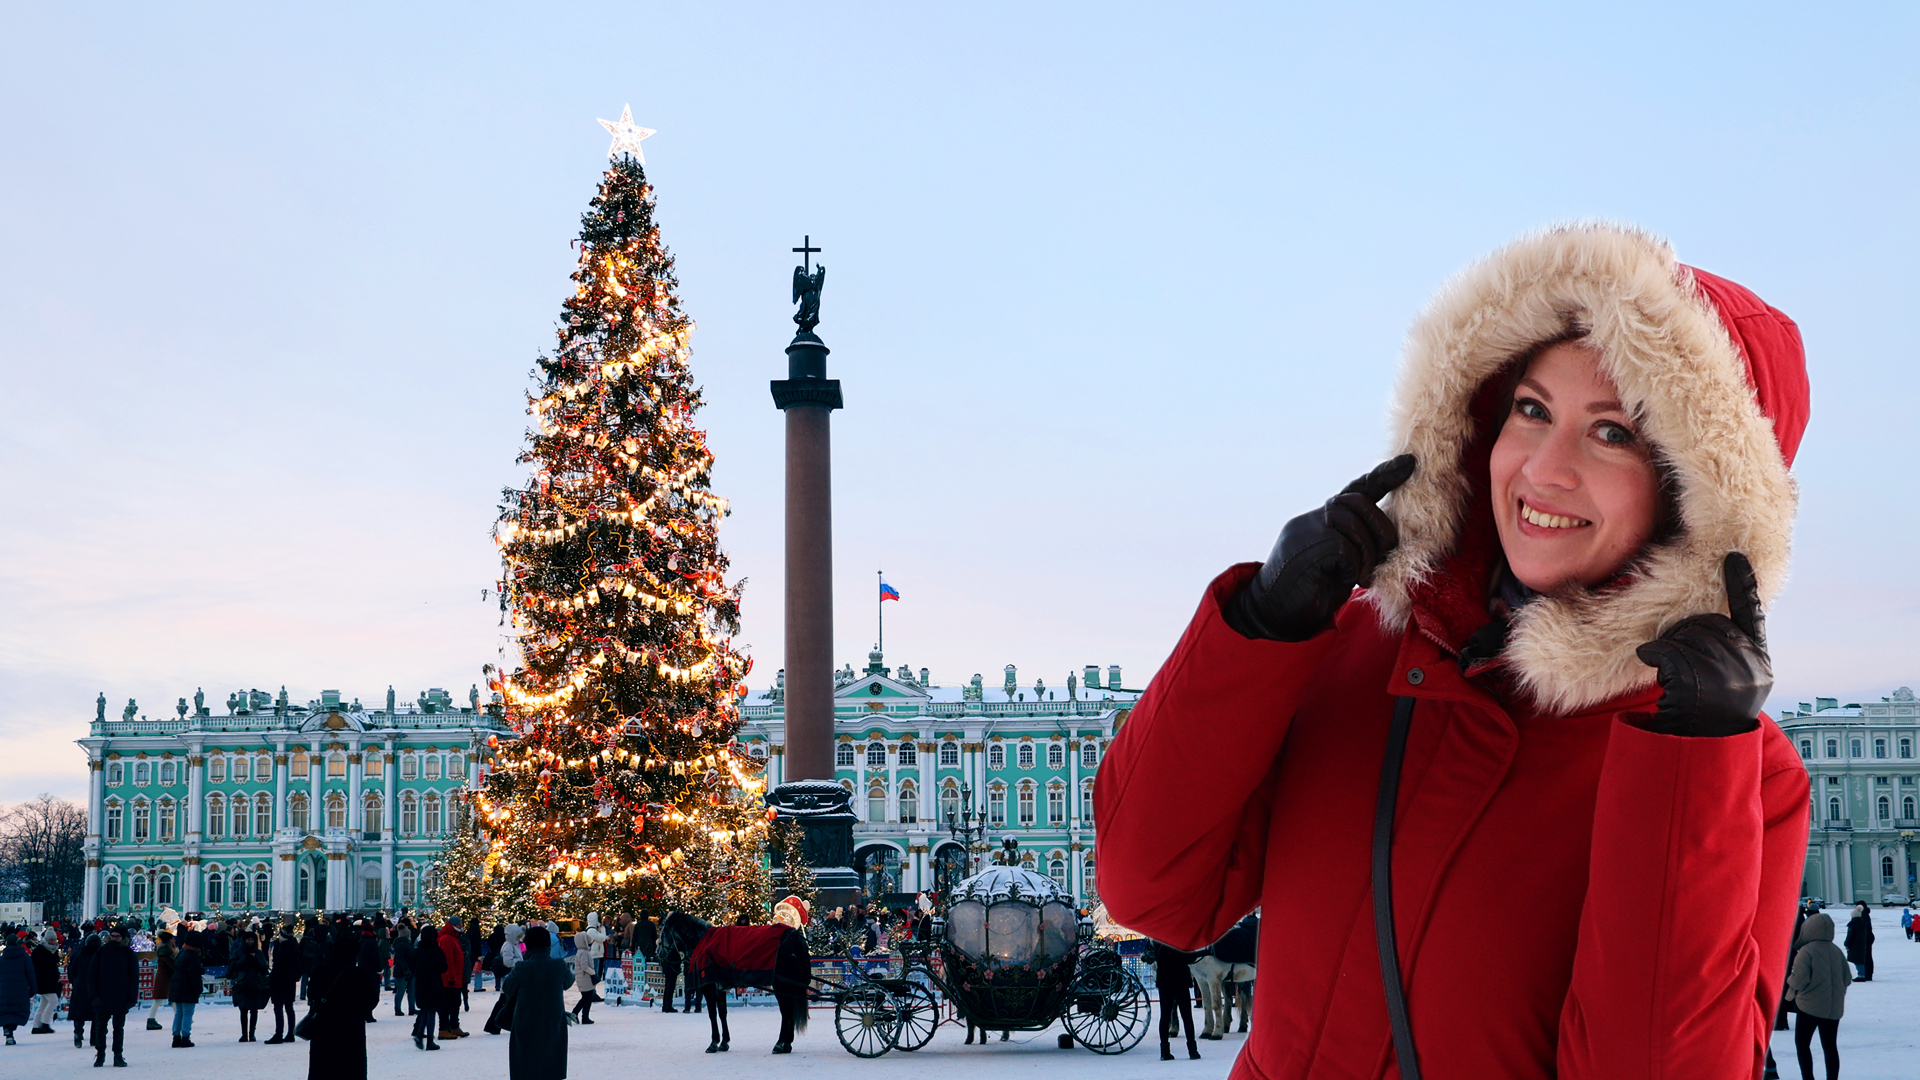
43,854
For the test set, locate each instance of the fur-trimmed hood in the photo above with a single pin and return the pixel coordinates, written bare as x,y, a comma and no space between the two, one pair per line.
1717,382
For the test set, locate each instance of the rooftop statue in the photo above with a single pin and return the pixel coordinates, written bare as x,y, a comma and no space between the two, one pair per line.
806,291
199,700
100,707
130,711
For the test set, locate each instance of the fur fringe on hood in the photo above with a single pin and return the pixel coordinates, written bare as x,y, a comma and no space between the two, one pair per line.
1678,371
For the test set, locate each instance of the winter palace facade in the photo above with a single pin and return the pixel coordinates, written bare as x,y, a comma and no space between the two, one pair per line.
1864,764
1025,754
275,807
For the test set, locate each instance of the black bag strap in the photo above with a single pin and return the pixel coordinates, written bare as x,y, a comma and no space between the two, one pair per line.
1403,1049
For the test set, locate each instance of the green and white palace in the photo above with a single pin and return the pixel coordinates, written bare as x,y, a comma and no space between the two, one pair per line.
1025,753
275,807
1863,759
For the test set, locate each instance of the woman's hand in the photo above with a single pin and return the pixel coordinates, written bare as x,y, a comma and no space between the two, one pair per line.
1714,670
1320,556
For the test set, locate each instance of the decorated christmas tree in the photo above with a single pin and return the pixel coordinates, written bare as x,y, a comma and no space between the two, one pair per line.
625,789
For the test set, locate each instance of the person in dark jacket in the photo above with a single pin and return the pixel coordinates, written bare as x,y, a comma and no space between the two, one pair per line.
313,951
383,947
46,976
248,974
402,950
188,970
370,959
17,986
80,1002
1172,973
113,984
1860,943
218,949
496,942
1817,984
345,991
283,983
534,998
429,971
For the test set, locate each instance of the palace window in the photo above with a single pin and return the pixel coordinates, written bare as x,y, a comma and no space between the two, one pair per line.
142,824
1026,755
163,891
1906,806
1879,748
909,753
1884,807
166,815
1833,747
238,885
370,812
433,814
409,814
336,810
260,888
142,773
216,887
240,768
877,801
240,818
216,817
876,755
139,891
300,765
909,801
949,800
996,805
996,755
303,883
262,815
217,768
112,890
166,773
336,766
1057,870
843,755
1026,802
433,766
370,886
113,774
1833,809
375,764
456,766
949,755
1087,891
1089,754
1854,746
409,884
409,766
1056,755
1056,805
1806,748
300,813
1906,748
1086,802
757,750
1886,871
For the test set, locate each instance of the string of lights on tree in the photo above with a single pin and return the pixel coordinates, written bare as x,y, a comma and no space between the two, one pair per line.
625,788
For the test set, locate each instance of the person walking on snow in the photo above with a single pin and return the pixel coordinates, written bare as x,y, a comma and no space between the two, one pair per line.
533,999
184,991
1817,986
1860,942
113,984
429,973
586,943
1548,681
453,982
46,976
80,996
17,986
283,984
1173,975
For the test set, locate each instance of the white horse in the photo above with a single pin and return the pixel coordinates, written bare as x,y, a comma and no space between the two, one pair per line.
1210,973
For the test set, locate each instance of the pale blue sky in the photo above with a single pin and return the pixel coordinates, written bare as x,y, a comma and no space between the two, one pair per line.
1115,290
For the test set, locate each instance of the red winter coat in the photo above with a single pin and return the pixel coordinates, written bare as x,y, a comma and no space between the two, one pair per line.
1574,896
456,974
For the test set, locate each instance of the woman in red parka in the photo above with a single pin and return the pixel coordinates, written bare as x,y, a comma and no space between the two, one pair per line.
1547,685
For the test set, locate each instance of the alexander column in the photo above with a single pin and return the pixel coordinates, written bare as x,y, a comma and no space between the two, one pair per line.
810,794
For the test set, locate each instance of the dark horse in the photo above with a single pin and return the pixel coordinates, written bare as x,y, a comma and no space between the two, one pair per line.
720,958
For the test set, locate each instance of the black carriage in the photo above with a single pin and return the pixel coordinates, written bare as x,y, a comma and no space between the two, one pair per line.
1012,956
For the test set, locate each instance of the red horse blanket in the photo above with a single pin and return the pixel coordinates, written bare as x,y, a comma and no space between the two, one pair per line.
736,955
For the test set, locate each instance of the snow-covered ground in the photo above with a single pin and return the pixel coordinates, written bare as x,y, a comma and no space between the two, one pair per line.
1879,1040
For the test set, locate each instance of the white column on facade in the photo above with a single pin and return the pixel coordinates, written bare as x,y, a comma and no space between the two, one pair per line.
929,779
316,778
776,765
1076,873
893,783
196,791
389,823
339,875
279,786
354,822
1073,788
1833,871
95,844
1846,872
860,782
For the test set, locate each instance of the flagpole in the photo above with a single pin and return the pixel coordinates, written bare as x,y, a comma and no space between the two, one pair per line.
880,610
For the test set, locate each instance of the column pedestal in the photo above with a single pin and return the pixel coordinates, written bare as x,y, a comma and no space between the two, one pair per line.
820,806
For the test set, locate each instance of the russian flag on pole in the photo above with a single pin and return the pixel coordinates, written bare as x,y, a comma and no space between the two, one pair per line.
888,592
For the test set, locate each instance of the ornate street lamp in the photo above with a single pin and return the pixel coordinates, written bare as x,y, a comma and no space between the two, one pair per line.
970,828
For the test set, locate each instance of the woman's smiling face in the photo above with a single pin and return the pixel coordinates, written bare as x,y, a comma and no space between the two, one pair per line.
1575,491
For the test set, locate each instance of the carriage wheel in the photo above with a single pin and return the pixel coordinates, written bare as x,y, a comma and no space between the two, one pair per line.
919,1014
1108,1011
866,1019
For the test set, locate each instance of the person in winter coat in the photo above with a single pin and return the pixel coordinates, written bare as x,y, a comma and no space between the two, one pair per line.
453,982
1817,986
534,1000
512,935
184,991
113,985
429,973
586,943
496,964
1860,942
345,991
17,986
1173,975
247,973
80,998
1553,666
283,984
403,972
163,954
46,976
313,952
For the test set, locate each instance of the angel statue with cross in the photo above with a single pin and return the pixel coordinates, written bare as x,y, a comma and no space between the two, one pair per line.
806,287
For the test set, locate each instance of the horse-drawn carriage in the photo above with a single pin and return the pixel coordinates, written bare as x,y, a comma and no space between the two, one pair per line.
1012,956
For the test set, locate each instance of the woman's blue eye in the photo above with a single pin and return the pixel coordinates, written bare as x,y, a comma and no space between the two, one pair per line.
1615,435
1530,409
